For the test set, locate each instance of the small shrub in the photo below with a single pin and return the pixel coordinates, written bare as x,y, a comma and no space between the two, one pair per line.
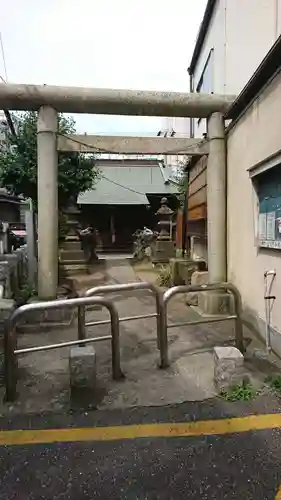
164,276
239,392
25,293
274,381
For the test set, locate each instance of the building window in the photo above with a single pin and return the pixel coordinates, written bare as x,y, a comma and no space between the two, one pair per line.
268,189
206,83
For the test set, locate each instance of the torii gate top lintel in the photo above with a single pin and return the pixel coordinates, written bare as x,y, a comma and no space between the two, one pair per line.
112,101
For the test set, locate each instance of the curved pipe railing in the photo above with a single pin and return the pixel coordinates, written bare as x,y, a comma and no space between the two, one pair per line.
126,287
203,288
10,340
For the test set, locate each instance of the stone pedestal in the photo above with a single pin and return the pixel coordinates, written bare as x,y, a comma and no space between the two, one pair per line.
215,303
229,368
82,367
162,251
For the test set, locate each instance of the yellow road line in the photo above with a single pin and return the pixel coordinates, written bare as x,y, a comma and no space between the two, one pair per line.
278,494
162,430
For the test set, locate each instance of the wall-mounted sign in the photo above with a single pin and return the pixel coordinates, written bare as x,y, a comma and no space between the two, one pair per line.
269,230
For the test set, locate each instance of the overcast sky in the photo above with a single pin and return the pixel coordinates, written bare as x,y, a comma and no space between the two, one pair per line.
130,44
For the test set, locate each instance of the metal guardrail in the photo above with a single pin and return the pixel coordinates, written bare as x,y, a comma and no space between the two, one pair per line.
10,340
203,288
125,287
162,300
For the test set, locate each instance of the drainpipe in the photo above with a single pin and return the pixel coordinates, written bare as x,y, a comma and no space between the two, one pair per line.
216,199
47,203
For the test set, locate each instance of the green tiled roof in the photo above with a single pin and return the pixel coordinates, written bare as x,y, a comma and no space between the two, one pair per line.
128,184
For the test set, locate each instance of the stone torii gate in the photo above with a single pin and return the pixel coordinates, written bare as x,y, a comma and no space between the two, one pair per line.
49,100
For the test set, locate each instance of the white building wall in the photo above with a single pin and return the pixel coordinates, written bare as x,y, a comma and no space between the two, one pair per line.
250,33
254,138
181,127
241,32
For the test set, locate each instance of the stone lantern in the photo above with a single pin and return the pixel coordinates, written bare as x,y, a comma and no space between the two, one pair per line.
73,215
163,249
164,214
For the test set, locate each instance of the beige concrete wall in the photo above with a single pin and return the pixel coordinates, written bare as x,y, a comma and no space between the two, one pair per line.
255,137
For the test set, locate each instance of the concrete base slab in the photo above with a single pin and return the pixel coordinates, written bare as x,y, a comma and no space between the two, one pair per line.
216,303
82,367
39,321
43,384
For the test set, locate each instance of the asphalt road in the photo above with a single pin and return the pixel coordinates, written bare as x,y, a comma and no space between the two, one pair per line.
238,466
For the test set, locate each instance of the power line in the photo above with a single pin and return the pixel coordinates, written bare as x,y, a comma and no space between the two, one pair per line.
4,60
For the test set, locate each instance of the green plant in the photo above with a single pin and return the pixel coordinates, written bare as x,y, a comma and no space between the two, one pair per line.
274,381
25,293
179,253
239,392
18,162
164,276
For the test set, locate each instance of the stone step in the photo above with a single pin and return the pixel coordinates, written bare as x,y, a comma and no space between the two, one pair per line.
81,263
71,269
67,255
71,245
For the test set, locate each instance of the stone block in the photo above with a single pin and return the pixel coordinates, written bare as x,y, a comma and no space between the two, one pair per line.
200,278
82,367
182,269
216,303
7,306
197,278
228,368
